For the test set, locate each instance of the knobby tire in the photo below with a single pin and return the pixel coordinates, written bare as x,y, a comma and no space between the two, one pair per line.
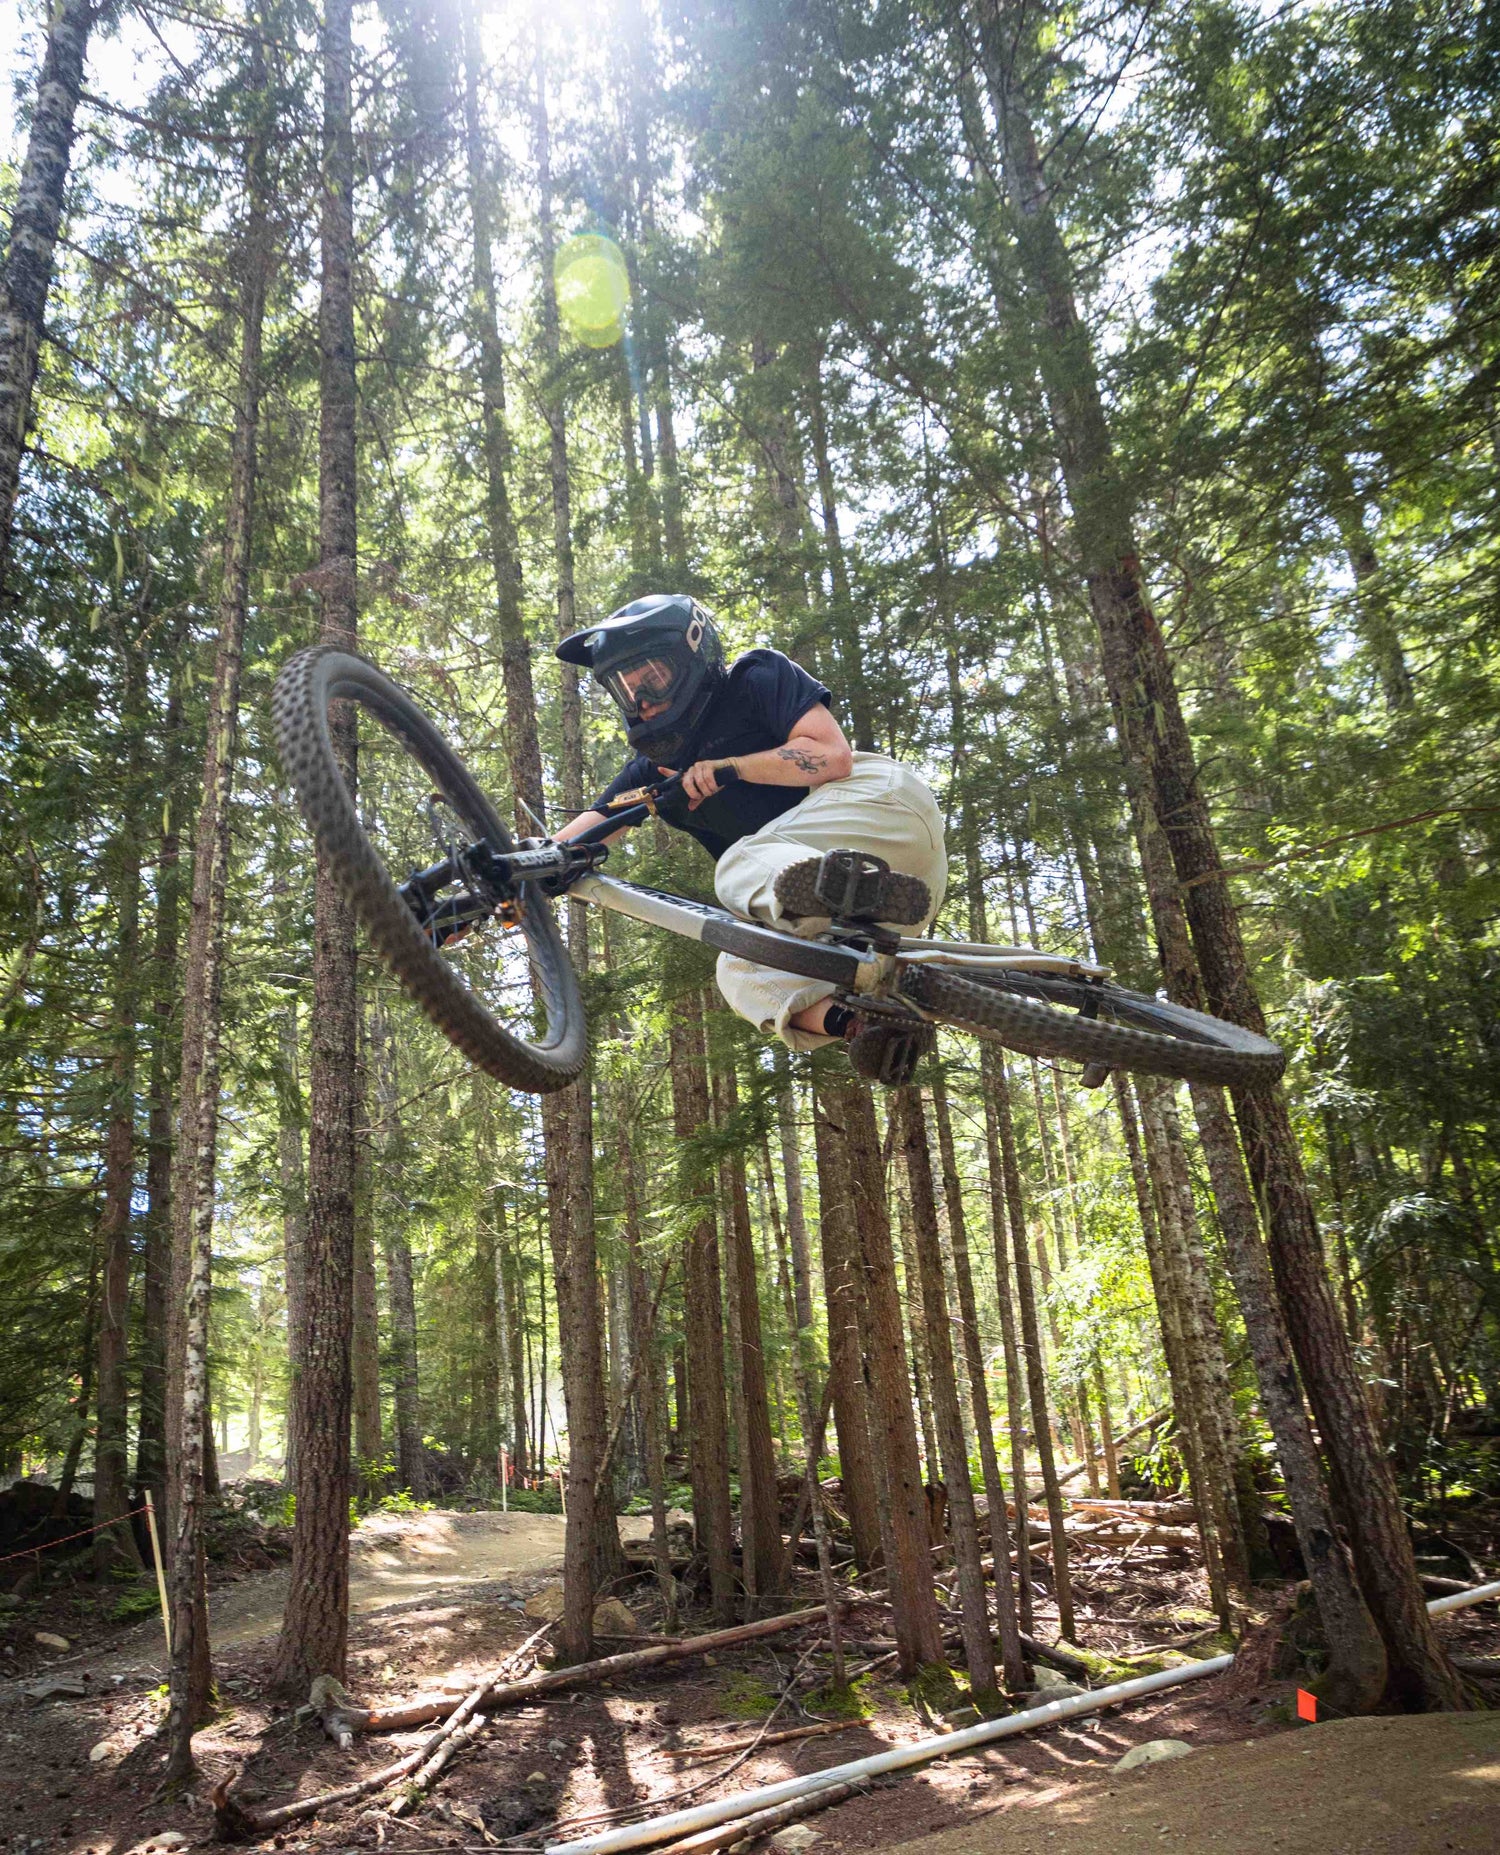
307,684
1232,1057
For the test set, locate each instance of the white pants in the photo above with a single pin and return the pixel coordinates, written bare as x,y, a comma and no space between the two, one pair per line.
883,808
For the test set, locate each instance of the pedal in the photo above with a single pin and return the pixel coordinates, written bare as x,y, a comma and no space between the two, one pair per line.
1094,1076
846,878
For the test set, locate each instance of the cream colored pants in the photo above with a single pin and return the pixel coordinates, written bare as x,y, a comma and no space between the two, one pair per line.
882,807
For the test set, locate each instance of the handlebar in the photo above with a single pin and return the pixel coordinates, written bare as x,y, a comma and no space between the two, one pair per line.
636,807
550,865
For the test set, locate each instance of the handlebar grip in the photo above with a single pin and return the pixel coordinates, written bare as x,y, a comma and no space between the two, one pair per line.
725,776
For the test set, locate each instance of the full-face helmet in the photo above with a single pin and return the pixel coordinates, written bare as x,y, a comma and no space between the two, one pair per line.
662,660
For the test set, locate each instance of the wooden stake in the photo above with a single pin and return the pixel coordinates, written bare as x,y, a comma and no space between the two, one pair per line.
161,1576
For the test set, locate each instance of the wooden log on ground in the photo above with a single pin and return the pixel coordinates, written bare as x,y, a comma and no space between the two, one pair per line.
1158,1513
1442,1587
340,1717
461,1724
1166,1648
1062,1659
1122,1533
553,1680
747,1829
235,1822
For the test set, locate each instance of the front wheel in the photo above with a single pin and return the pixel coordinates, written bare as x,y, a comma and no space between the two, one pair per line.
1094,1023
505,994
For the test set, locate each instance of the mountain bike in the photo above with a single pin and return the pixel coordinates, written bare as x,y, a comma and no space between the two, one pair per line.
470,930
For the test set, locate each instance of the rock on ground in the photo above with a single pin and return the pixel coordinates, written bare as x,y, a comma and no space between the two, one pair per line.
1153,1752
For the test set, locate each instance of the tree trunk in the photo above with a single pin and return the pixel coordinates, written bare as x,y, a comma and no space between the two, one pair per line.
116,1544
314,1632
411,1463
1154,735
993,1082
198,1113
842,1278
513,1289
1031,1343
592,1548
651,1388
921,1353
994,1488
1224,1434
1181,1345
365,1357
845,626
26,273
156,1260
88,1353
292,1178
762,1546
411,1466
962,1517
709,1439
918,1633
1355,1677
484,1425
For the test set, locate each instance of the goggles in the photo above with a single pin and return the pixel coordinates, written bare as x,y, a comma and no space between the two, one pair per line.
648,682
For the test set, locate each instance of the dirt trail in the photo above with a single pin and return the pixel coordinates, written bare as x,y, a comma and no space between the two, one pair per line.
1352,1787
394,1559
404,1558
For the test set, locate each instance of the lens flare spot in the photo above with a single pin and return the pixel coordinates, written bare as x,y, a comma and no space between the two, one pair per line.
593,288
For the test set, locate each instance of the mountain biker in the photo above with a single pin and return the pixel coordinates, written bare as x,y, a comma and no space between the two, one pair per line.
800,791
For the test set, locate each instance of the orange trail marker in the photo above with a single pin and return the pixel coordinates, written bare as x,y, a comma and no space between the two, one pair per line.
1307,1705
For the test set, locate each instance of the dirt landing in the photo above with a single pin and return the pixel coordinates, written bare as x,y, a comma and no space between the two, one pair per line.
395,1558
1353,1787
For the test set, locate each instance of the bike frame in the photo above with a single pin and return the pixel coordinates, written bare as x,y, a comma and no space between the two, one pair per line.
853,958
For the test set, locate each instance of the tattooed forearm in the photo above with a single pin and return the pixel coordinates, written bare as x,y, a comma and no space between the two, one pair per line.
804,761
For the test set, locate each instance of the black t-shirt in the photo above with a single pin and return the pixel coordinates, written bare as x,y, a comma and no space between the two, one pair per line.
764,696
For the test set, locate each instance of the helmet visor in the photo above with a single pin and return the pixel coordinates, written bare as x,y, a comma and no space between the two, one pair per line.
646,687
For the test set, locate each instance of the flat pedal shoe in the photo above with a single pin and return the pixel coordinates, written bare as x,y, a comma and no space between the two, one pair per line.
889,1051
852,884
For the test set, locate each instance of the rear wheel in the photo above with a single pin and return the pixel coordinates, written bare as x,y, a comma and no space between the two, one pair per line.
505,994
1094,1023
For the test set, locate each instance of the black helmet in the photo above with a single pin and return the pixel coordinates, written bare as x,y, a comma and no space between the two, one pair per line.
664,650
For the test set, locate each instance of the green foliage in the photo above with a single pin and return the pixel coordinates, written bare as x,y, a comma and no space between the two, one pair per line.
142,1601
855,1700
743,1697
545,1500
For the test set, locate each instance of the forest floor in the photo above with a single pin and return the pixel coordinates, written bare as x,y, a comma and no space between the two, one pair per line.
439,1600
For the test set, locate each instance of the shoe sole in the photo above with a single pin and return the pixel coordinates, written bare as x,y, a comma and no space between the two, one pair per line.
891,1054
852,884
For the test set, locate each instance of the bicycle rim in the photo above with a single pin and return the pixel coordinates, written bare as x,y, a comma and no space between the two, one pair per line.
504,995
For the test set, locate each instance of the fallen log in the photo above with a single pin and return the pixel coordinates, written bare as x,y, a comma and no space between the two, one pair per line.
1119,1533
747,1829
1063,1659
1166,1648
552,1680
341,1718
462,1723
1160,1513
235,1821
1442,1587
